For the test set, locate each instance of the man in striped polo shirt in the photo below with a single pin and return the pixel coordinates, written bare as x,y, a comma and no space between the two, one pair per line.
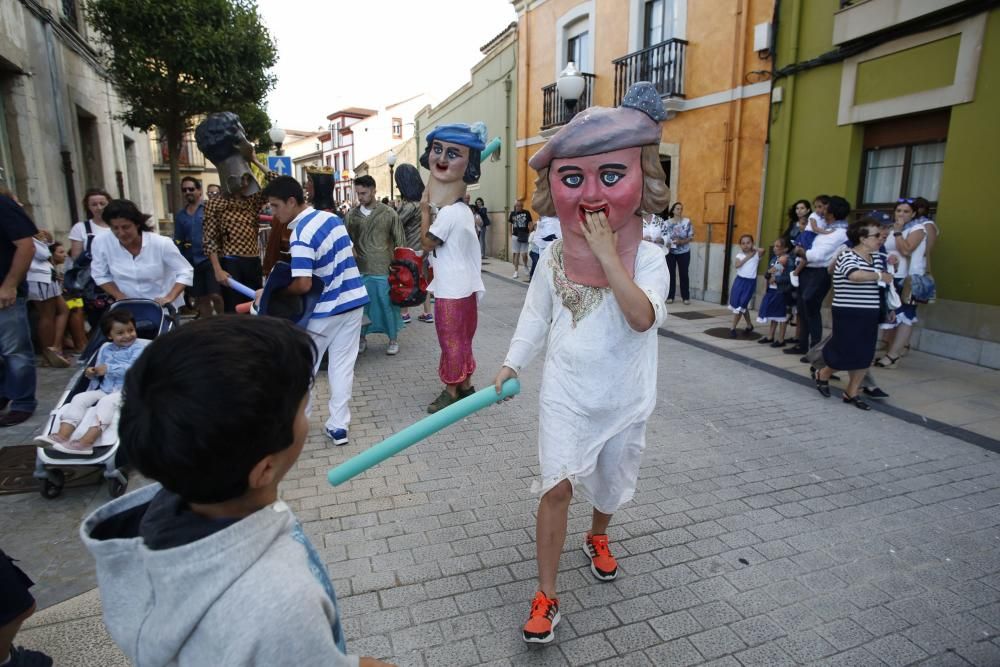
321,248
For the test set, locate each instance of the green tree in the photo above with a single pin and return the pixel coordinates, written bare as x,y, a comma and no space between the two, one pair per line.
172,61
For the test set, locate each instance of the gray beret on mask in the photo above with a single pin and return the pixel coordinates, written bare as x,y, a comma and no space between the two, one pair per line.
602,130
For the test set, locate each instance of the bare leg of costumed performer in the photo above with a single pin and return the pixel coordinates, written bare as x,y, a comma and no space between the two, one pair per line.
601,288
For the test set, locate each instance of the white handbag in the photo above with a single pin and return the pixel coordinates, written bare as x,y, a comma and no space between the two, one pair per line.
892,299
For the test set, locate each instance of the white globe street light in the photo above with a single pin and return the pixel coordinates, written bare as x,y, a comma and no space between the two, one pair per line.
570,85
277,138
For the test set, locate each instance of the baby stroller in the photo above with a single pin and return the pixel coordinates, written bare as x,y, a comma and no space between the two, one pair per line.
151,320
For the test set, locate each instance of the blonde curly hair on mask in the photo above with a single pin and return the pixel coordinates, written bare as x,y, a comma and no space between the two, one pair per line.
655,192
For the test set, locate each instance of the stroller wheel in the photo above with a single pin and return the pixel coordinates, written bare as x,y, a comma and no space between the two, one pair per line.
50,489
116,488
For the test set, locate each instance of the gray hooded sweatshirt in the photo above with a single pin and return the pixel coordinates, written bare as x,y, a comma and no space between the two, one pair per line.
182,590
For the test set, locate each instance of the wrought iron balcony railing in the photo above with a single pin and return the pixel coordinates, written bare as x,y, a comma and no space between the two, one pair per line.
189,158
661,64
554,109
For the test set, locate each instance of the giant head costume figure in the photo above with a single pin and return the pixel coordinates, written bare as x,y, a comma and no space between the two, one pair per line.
603,160
452,156
222,139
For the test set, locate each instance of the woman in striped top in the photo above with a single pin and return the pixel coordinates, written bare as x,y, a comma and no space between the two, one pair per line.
857,276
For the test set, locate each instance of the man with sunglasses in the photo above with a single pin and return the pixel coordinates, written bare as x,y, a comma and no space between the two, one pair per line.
188,235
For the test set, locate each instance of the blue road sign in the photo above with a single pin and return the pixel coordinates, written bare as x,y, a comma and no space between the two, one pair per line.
280,164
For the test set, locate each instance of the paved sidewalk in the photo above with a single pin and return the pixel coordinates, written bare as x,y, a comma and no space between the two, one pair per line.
771,527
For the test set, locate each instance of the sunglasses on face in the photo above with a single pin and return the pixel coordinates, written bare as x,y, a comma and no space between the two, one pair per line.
905,201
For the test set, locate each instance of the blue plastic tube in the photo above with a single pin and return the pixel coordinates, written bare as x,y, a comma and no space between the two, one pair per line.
414,433
242,289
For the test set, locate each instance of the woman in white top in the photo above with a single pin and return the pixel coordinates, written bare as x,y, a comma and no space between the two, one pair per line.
94,201
134,262
909,242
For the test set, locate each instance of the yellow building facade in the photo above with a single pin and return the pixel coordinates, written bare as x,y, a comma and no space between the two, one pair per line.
710,60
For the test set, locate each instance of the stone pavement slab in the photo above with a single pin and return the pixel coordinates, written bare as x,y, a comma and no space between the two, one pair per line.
770,526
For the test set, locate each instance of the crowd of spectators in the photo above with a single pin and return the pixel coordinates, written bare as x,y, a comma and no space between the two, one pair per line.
878,266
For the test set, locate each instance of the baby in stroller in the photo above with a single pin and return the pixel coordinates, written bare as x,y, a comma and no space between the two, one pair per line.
107,376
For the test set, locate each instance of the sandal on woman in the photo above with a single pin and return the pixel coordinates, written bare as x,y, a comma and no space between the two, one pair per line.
858,403
888,361
823,386
748,330
54,359
763,340
778,343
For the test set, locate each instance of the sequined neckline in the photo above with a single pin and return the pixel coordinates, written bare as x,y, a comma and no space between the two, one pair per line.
580,300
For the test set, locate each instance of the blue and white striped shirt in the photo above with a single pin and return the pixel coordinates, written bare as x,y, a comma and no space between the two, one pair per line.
321,247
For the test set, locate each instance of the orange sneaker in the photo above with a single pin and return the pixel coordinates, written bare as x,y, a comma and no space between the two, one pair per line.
602,563
543,620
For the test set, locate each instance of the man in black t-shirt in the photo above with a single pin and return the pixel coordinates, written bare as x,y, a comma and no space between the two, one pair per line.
17,370
520,227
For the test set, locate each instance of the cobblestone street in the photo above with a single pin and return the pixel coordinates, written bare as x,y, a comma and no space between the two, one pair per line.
771,527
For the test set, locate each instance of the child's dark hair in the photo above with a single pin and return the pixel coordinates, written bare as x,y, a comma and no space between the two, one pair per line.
54,245
285,188
783,241
113,316
207,401
839,208
746,236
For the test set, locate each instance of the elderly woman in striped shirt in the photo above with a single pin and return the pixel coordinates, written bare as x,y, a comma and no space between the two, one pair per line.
857,276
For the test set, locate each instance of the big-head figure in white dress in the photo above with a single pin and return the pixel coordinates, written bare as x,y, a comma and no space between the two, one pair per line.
597,300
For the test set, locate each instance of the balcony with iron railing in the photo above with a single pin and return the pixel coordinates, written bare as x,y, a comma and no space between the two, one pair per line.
555,111
188,158
661,64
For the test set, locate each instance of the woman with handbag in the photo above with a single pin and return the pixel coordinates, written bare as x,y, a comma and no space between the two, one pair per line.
858,277
77,280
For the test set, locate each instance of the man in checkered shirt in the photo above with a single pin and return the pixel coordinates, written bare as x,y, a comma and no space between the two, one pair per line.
231,240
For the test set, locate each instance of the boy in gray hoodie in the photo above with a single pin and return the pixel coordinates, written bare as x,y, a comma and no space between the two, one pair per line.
208,566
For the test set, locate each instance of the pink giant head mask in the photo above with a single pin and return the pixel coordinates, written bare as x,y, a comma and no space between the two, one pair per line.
603,160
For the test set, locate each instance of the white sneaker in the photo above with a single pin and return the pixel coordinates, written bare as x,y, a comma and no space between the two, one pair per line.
514,276
794,279
362,346
393,348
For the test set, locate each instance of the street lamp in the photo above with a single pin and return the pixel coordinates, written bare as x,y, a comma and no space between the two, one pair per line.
391,161
570,85
277,138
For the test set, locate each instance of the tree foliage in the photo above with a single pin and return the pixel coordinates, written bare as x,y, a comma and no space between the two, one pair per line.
172,61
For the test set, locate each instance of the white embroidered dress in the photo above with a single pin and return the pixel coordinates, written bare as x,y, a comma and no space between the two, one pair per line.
599,379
